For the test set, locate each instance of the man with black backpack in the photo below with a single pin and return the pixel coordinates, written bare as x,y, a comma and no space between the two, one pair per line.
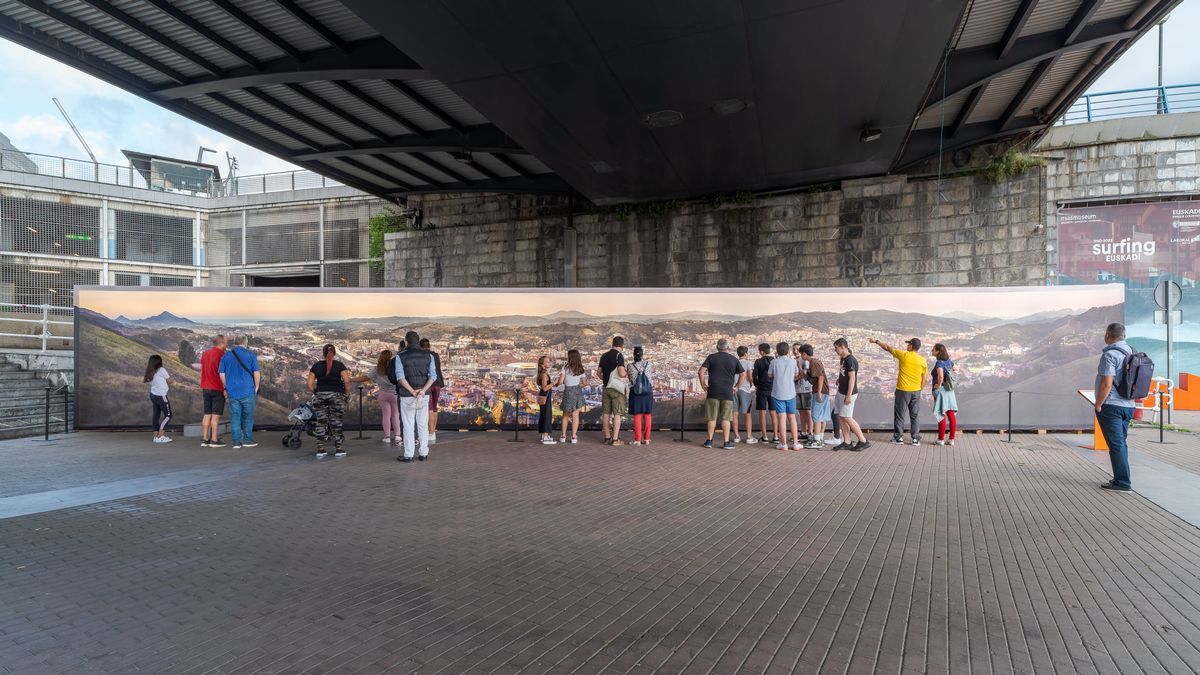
1121,372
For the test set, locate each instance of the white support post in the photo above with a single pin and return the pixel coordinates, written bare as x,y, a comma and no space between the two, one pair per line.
321,242
102,244
45,325
197,241
243,238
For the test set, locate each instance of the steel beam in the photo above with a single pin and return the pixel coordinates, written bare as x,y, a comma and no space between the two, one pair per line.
380,108
370,59
1080,19
1031,84
1015,26
964,113
970,68
542,183
263,32
925,143
198,27
314,25
481,138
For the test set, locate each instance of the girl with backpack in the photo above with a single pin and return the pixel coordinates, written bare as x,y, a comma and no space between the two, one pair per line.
945,402
641,396
160,383
573,379
545,401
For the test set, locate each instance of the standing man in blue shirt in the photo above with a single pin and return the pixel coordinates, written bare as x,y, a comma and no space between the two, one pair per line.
240,375
416,374
1113,411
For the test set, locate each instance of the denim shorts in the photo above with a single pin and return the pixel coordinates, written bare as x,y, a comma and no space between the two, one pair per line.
787,407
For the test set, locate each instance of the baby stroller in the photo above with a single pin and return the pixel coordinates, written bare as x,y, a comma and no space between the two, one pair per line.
302,420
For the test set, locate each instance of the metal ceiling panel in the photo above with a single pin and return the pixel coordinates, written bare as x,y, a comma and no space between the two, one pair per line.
119,31
229,28
321,114
1115,8
447,161
246,122
281,22
530,163
394,100
385,179
176,31
293,123
1000,93
357,108
452,104
337,18
987,22
939,115
1050,15
1060,74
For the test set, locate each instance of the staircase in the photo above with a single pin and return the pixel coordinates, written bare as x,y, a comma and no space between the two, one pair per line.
23,404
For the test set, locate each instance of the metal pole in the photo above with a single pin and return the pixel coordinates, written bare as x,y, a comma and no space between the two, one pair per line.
47,412
1161,411
682,412
1170,357
66,410
516,417
1010,417
360,412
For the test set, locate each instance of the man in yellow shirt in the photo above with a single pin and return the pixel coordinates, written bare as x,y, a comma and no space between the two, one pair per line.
910,381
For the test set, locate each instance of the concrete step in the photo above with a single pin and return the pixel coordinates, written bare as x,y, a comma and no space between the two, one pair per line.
7,375
24,430
22,389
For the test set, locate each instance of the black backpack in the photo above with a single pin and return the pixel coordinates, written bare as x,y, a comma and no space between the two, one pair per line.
1133,380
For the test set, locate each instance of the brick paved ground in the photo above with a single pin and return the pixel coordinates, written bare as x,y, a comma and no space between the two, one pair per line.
986,557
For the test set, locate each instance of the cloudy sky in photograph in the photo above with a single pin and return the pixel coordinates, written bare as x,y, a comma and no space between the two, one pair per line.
112,119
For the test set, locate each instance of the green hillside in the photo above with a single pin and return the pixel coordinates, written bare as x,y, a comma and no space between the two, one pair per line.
111,391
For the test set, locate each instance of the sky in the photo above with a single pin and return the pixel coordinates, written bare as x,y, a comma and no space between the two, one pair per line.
112,119
282,305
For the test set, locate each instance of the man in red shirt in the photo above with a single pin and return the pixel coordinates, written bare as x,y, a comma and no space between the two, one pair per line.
214,394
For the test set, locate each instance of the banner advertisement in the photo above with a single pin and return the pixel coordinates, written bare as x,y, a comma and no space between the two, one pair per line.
1139,245
1041,343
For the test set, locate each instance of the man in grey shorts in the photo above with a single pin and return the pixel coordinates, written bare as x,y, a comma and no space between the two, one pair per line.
743,400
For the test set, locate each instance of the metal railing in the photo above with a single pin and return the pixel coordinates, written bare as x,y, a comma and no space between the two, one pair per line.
44,322
1103,105
125,176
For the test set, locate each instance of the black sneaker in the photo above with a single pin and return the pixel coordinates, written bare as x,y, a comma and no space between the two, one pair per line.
842,446
708,443
763,439
404,459
859,447
422,458
216,444
727,446
321,454
1113,487
339,453
204,444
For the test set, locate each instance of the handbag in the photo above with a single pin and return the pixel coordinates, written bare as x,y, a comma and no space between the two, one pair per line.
615,382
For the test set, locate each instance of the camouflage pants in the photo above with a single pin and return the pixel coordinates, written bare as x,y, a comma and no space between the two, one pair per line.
329,408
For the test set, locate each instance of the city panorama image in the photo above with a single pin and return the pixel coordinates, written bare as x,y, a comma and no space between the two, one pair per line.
1039,342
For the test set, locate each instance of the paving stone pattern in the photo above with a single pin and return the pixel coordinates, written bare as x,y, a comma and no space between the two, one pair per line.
503,557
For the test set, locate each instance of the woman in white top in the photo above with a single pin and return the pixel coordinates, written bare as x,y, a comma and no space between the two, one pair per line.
573,378
160,384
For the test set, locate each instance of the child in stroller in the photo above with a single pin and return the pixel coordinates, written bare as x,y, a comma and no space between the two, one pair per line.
302,419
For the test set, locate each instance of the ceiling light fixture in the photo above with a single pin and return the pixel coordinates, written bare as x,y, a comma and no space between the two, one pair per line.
31,229
662,118
37,271
869,134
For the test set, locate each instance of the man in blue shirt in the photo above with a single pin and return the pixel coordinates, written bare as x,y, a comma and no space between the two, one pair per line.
240,375
416,374
1113,411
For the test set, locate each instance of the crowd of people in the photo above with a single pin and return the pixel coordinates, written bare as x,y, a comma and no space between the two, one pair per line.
790,389
795,398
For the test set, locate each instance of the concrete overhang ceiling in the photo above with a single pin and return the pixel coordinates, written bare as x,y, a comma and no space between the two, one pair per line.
618,100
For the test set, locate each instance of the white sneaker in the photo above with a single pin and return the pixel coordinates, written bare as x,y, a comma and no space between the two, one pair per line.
939,442
950,442
751,441
432,439
737,439
156,439
386,439
636,443
574,439
832,441
164,439
916,441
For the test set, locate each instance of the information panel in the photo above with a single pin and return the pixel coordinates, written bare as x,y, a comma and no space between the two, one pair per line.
1040,342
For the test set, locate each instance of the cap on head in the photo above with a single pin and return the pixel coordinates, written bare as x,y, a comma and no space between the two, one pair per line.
915,343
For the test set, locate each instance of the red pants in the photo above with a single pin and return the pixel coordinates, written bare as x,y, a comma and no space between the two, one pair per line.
641,427
952,418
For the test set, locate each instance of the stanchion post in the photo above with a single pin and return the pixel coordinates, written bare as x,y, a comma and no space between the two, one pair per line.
360,413
47,413
1010,440
1161,413
516,417
66,410
682,412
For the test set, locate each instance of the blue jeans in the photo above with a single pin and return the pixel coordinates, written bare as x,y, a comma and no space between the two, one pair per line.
1114,424
241,419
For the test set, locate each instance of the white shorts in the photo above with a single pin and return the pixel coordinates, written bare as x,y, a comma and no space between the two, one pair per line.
842,408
